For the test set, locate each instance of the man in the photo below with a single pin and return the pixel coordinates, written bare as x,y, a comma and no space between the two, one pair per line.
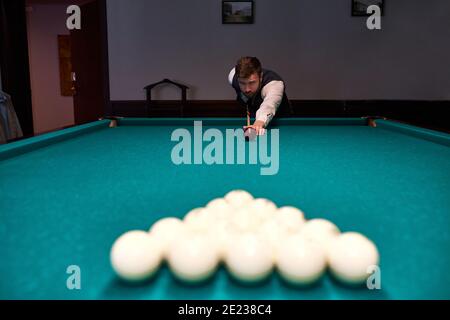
261,91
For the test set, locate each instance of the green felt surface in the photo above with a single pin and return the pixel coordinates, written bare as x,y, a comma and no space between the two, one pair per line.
65,203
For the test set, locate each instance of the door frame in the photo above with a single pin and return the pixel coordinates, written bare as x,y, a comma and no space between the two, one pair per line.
105,57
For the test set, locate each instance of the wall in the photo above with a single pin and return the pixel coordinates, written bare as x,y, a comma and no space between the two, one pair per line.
50,109
320,50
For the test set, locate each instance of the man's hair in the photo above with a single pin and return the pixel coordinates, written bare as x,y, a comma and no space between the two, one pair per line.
246,66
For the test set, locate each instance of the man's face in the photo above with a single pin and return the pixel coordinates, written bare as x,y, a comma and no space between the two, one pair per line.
249,86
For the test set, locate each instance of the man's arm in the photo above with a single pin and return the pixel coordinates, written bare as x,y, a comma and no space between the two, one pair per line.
272,93
231,76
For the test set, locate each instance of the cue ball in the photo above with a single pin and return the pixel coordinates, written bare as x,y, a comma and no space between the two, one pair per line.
136,255
321,231
166,230
350,256
300,261
238,198
247,258
193,257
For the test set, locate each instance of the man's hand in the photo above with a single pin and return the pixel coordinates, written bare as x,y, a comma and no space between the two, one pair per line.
258,126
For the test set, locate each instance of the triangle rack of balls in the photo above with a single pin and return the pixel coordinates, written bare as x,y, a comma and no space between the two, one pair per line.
252,238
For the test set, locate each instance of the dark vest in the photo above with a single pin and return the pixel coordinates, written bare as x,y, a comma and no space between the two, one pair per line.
254,103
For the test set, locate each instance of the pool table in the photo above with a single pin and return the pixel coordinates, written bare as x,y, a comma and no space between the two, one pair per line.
66,196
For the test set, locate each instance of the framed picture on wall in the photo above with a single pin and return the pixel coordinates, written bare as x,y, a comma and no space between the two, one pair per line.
237,12
359,7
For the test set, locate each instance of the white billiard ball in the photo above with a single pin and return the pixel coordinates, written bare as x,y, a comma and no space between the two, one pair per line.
166,230
243,220
290,219
321,231
247,258
219,204
238,198
193,257
220,208
136,255
263,209
199,219
221,232
300,261
284,222
273,234
349,257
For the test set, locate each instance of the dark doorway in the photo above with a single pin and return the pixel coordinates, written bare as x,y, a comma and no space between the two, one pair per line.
89,63
15,74
89,59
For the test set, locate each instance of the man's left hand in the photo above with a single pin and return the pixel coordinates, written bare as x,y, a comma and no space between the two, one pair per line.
258,126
